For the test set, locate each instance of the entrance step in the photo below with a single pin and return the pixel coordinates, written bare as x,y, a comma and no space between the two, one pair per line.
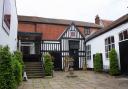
34,69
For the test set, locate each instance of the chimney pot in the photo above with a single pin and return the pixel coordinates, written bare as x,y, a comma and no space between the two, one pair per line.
97,20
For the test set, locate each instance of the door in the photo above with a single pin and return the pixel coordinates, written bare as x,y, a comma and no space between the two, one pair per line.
57,60
25,50
74,54
123,47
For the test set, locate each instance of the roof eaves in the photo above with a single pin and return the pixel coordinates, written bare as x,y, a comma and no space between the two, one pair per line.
119,21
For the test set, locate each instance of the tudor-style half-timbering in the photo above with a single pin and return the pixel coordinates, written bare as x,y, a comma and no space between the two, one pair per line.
58,37
72,44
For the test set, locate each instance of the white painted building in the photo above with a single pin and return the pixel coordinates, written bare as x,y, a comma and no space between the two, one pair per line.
8,24
113,36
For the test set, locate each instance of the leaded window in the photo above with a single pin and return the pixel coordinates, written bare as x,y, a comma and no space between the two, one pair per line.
88,52
123,35
109,44
87,31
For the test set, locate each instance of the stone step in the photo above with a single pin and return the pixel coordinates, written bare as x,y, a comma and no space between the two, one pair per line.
34,69
29,72
35,76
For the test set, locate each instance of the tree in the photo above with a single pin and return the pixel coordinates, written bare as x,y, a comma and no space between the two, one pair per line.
114,68
98,63
48,64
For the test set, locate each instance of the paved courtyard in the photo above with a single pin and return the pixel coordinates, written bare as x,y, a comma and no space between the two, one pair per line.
84,80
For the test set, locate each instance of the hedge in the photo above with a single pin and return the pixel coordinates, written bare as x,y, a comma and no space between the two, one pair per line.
18,69
10,69
114,68
7,78
98,63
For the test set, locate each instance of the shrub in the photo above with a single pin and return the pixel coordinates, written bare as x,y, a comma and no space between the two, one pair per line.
114,68
48,64
98,63
17,69
7,78
19,57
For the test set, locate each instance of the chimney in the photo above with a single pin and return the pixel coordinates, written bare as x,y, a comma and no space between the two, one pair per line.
97,20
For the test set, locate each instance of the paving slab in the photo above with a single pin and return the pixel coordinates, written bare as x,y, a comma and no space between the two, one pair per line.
84,80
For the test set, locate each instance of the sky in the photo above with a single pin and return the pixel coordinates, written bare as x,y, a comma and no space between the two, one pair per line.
81,10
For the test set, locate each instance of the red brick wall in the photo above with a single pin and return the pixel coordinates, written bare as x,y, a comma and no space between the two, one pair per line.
49,31
26,27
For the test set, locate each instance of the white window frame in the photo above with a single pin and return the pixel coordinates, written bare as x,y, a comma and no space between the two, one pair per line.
109,45
88,52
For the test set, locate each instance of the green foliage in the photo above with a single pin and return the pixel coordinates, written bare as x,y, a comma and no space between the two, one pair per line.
48,64
114,68
19,57
10,68
18,70
7,78
98,63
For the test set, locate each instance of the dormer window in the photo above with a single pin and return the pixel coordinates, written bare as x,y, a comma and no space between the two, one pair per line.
87,31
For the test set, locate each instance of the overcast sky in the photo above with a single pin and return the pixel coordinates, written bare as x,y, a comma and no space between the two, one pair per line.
83,10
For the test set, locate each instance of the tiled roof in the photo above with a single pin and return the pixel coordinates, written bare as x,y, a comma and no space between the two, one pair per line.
106,22
114,24
55,21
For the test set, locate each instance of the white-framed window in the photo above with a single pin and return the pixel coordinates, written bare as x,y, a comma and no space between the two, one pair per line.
109,44
123,35
86,31
88,52
72,34
6,15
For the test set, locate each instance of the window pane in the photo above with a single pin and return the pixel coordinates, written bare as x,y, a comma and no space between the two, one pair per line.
90,47
109,48
125,34
112,39
106,41
109,40
113,46
120,36
106,48
106,54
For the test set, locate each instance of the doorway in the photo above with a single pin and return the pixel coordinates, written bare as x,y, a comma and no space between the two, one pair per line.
74,53
57,60
123,47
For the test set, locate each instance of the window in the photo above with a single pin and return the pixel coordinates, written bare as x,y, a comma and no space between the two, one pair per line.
109,44
6,15
88,52
123,35
87,31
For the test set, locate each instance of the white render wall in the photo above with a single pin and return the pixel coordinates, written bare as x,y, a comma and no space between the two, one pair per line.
11,39
98,45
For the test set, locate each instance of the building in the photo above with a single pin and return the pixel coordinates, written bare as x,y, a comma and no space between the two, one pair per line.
8,24
102,22
59,37
115,36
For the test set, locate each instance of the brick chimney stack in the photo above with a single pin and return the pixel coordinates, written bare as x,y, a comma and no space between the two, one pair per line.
97,20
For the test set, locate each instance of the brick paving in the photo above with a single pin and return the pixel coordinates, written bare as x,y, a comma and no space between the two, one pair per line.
84,80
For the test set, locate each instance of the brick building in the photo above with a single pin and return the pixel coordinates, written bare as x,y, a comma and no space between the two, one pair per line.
59,37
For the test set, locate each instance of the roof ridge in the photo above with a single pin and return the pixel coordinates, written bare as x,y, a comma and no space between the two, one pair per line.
56,21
